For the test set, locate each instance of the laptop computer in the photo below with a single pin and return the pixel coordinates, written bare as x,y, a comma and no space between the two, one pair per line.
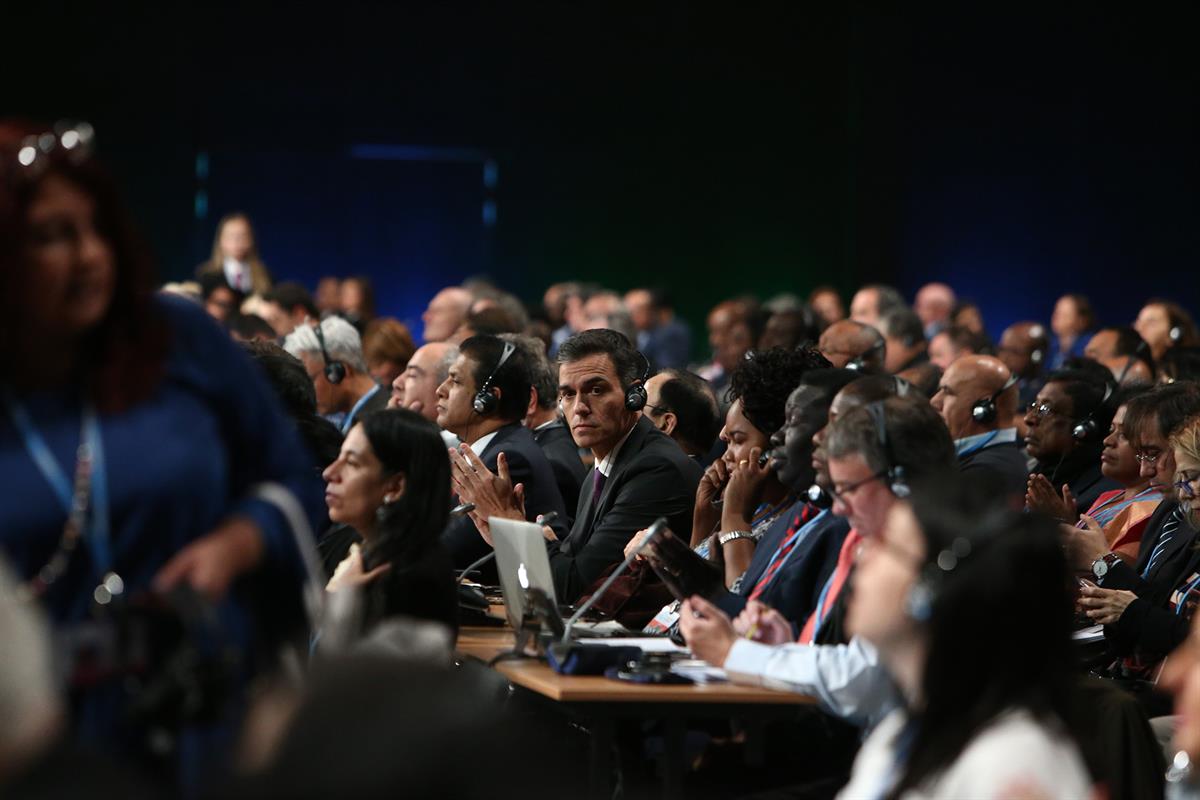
522,563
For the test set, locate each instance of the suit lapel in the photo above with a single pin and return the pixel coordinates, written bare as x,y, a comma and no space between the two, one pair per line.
585,520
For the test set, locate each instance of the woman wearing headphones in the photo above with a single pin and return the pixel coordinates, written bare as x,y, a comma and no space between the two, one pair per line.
389,489
934,594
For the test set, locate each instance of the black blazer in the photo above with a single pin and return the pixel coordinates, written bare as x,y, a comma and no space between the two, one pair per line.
1168,527
527,464
651,478
1080,471
1005,460
422,587
569,471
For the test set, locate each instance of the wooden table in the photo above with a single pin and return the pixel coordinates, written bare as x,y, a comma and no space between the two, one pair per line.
596,703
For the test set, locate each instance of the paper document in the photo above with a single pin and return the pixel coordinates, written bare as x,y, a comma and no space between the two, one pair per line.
649,644
1087,635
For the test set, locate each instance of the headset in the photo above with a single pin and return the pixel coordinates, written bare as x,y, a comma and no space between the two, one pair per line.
1140,350
818,496
1175,334
335,371
903,387
1086,428
896,480
485,402
635,395
859,362
984,411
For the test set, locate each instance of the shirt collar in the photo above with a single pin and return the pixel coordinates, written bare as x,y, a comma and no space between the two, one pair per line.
969,444
480,444
605,465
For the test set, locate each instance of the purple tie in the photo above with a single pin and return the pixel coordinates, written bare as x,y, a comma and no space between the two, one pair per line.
598,479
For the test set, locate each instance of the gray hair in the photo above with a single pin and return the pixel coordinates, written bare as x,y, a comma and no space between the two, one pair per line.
443,366
342,342
543,372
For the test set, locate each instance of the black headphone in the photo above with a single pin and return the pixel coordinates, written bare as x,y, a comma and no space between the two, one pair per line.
895,472
818,496
335,371
1086,428
485,402
984,411
635,395
859,362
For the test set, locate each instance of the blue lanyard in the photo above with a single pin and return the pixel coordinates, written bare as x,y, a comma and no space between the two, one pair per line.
801,532
97,535
980,446
348,422
1183,597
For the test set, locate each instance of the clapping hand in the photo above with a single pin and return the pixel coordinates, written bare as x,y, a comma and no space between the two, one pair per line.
492,493
1041,497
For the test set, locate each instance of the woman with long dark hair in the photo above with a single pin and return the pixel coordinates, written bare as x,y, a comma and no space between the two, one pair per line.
391,485
937,593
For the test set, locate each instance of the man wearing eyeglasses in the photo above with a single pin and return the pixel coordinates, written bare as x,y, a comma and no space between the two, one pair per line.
1066,425
682,405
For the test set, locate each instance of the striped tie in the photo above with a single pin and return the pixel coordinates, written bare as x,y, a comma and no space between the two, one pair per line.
789,541
1164,538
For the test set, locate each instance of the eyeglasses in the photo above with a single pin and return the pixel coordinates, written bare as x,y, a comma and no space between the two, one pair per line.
1184,484
660,410
1148,458
844,492
1042,410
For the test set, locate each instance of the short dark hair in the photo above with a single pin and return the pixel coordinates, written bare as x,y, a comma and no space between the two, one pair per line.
873,388
887,298
966,339
629,364
492,321
1169,407
404,441
287,376
249,326
1083,307
513,379
1087,383
764,380
288,295
1181,364
694,404
660,298
903,324
829,380
543,373
917,438
212,281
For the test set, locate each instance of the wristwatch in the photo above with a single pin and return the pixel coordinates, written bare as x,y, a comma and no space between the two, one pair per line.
730,536
1102,565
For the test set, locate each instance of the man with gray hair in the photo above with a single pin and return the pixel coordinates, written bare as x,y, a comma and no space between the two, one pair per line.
416,387
333,357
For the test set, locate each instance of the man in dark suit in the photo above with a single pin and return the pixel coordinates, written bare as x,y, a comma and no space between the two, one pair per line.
664,339
977,398
488,367
543,421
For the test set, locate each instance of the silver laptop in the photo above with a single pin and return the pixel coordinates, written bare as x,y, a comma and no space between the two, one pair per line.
522,563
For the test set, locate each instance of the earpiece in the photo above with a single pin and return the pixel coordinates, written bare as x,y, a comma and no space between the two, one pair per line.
819,497
1175,334
635,395
1086,428
335,371
859,362
984,411
1036,356
485,402
896,480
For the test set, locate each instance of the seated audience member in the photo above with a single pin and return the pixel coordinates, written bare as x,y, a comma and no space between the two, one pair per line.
249,328
1023,348
572,300
487,321
543,420
1180,364
924,378
640,473
738,499
904,334
235,257
356,301
334,361
1165,324
937,569
487,297
389,492
291,383
977,398
1125,354
967,315
873,302
446,313
953,343
661,336
1167,538
730,334
328,295
286,306
853,345
933,306
826,303
483,402
219,299
424,373
789,327
387,347
1145,626
682,405
1072,323
866,470
1065,436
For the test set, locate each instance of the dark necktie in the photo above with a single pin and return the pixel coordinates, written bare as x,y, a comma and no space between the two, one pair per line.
598,479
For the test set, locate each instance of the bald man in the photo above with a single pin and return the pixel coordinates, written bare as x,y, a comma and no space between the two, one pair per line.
977,399
446,313
854,345
934,303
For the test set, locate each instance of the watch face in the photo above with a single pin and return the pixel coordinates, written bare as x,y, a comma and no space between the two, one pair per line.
1100,568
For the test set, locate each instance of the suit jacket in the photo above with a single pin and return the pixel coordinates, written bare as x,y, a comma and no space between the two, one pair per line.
651,478
569,471
1080,471
1167,527
796,586
527,464
1004,460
